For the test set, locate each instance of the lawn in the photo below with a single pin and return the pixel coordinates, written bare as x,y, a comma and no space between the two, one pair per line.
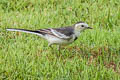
94,56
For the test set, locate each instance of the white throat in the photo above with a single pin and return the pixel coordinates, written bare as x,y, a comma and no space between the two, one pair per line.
77,33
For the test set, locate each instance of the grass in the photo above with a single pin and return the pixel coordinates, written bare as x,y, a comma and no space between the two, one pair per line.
94,56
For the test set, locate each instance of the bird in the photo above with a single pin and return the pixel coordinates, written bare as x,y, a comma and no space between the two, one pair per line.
59,36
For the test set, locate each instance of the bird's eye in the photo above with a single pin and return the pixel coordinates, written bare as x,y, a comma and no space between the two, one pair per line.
82,25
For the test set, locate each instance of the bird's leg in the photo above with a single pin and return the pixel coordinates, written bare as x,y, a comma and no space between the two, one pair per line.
50,45
59,47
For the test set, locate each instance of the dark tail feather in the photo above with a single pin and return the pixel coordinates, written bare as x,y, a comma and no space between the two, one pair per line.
26,31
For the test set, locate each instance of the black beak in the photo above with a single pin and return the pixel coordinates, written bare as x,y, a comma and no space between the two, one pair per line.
89,28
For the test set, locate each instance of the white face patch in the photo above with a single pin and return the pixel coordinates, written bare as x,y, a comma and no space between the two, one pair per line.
81,25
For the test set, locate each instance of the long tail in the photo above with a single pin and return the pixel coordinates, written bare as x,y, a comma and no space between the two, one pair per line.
26,31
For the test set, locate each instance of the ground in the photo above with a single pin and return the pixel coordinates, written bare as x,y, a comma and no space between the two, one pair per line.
94,56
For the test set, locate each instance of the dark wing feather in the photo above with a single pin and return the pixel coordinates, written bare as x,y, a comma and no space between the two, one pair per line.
68,31
45,31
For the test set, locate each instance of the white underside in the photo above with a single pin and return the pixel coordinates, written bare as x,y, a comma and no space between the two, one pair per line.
55,40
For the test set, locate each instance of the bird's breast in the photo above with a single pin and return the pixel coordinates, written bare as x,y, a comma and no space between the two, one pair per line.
56,40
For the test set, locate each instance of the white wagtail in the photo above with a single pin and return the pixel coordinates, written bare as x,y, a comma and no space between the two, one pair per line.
59,36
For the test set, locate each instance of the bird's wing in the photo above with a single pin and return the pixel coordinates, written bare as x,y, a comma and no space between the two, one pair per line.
62,33
45,31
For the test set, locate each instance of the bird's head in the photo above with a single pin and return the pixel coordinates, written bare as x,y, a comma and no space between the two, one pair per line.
81,26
